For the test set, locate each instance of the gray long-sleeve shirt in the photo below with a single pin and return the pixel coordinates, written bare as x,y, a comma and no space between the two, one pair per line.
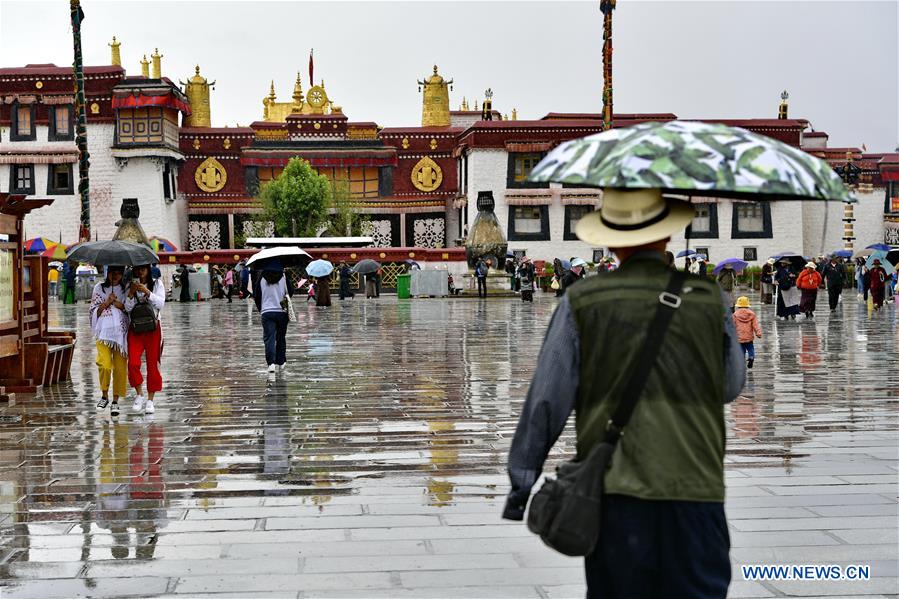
553,391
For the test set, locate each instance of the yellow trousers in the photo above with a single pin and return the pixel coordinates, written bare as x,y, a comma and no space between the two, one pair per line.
114,365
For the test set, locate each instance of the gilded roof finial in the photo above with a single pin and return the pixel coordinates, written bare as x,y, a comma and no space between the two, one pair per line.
271,91
116,53
298,91
514,114
145,67
783,108
157,64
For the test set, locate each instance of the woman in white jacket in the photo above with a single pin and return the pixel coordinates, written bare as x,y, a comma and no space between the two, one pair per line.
149,293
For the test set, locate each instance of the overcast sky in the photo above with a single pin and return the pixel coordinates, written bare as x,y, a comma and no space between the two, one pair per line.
838,60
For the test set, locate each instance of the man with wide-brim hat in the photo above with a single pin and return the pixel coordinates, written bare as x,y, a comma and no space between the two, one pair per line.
662,525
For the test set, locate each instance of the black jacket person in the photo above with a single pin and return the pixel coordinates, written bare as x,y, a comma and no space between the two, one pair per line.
663,531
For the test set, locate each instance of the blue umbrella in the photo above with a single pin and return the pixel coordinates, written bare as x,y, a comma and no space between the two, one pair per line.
882,256
685,253
881,247
737,264
565,264
319,268
842,254
413,264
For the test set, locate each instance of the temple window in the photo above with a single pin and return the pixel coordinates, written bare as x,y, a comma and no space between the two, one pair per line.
751,220
267,173
23,123
529,223
520,166
60,180
147,126
573,214
168,181
705,222
362,182
21,178
61,123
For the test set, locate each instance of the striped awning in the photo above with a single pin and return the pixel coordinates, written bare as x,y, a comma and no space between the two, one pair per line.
37,156
529,200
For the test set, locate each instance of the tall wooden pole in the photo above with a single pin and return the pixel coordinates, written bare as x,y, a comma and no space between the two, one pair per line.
84,233
607,6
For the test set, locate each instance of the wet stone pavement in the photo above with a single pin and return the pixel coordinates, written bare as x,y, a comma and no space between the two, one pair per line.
375,466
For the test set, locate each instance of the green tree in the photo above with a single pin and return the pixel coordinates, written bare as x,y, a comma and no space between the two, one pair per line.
344,220
297,201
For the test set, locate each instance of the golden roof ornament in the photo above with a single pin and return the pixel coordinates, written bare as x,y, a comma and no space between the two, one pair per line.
297,93
145,67
514,114
157,64
783,108
197,91
116,58
435,100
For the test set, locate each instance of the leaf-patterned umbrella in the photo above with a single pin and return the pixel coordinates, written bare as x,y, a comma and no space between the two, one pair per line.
694,159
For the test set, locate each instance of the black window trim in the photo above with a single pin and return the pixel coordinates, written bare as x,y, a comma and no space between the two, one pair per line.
12,179
766,232
51,184
14,130
568,234
755,251
511,183
543,235
712,232
53,135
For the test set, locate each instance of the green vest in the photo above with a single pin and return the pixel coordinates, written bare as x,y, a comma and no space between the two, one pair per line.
673,446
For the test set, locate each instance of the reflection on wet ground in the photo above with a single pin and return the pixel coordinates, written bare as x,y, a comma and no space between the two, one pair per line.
374,467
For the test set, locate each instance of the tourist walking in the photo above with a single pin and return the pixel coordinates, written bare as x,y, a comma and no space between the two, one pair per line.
834,275
767,282
860,285
480,272
345,273
323,292
52,279
144,303
878,283
184,280
109,325
787,293
748,328
663,530
270,295
370,285
229,283
808,282
727,279
70,278
525,275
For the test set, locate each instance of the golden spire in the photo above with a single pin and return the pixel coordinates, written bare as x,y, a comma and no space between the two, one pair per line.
514,114
271,92
157,64
145,67
783,108
298,92
116,54
464,105
197,91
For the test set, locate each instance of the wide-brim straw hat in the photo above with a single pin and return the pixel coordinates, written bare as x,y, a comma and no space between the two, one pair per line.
742,302
770,260
634,217
811,265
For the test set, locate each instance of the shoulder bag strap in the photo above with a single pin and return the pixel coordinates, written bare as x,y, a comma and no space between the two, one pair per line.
669,302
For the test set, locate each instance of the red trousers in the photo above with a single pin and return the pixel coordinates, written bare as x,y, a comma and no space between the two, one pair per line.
138,343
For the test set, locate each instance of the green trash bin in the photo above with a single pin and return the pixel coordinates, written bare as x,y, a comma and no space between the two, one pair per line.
403,286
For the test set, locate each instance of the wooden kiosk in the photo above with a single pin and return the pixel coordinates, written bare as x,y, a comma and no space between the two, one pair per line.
30,355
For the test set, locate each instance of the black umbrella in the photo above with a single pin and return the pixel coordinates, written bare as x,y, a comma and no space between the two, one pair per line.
113,253
366,266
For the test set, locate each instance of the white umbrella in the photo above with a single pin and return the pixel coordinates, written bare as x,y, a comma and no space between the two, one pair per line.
288,256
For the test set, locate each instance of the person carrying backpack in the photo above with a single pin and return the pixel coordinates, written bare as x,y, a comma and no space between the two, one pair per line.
144,302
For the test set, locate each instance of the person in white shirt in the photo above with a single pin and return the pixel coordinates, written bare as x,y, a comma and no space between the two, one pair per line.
271,289
151,293
109,325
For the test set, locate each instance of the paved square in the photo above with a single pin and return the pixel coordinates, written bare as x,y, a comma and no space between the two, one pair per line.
375,467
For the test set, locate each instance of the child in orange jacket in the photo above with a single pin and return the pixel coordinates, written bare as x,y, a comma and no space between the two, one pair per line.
747,325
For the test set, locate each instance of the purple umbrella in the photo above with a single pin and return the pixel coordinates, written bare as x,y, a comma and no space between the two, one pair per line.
736,263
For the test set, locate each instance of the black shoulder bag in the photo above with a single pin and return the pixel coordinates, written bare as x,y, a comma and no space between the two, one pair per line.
565,512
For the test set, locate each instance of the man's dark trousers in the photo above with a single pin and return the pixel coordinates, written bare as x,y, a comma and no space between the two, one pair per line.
274,329
482,286
671,549
833,296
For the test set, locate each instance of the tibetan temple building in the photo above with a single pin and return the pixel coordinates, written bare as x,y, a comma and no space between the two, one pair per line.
197,185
